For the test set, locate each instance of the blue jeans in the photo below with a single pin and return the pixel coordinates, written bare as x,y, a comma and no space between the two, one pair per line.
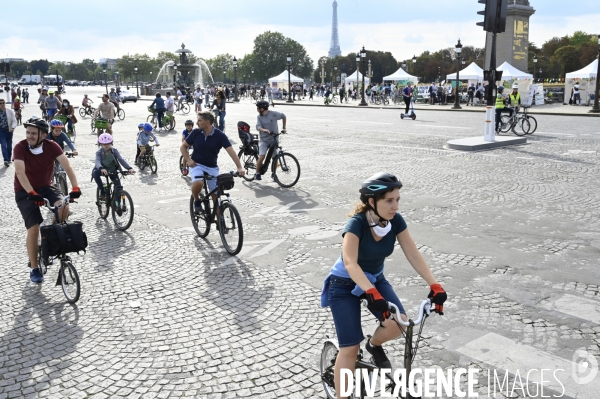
160,114
345,308
222,121
6,144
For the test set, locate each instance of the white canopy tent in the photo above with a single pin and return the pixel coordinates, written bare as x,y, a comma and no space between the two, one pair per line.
472,72
401,74
589,72
352,78
509,72
284,77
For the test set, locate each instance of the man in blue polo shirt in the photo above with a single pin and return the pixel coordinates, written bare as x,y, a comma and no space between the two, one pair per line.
206,141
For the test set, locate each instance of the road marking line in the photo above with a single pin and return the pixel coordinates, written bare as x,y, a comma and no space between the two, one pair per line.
577,306
505,354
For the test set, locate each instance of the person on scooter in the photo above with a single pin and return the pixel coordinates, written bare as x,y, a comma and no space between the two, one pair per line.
407,95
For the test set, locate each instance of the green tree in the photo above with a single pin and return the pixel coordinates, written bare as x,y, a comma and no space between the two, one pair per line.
270,55
569,57
79,72
40,65
19,68
90,64
219,64
580,38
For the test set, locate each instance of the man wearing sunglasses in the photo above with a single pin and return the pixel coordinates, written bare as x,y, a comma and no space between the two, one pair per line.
8,123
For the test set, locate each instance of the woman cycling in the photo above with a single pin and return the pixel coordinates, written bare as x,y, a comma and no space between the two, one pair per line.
368,238
219,102
67,110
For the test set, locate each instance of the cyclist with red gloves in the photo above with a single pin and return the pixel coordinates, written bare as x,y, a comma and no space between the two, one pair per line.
368,238
34,164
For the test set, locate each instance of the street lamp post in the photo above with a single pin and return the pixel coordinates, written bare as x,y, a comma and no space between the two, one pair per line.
137,88
224,73
253,77
174,76
105,80
333,78
540,73
322,73
235,89
534,65
357,69
150,79
458,53
363,57
289,65
414,60
117,85
596,108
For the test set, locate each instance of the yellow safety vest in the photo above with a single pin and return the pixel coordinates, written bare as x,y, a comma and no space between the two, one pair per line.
499,101
514,100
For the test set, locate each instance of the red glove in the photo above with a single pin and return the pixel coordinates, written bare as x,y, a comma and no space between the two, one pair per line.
438,297
35,197
74,194
376,303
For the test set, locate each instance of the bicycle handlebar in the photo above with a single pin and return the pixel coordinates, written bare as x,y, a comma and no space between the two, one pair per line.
69,155
65,201
425,308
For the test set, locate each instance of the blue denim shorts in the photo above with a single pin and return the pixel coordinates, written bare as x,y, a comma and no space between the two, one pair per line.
345,308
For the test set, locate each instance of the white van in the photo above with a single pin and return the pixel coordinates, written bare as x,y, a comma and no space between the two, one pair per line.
30,80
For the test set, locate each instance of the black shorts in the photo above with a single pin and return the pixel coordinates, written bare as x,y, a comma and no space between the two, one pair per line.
29,210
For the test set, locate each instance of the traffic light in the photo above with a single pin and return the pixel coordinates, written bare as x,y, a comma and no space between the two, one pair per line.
494,15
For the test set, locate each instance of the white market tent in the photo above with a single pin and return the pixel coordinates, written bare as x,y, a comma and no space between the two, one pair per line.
509,72
352,78
401,74
284,77
472,72
588,72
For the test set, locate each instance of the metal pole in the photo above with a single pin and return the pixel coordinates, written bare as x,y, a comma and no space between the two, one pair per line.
363,56
596,108
458,55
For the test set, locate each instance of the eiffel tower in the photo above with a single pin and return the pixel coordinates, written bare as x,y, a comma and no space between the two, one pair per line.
334,48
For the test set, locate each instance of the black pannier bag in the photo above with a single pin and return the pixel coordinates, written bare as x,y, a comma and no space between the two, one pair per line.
225,181
63,238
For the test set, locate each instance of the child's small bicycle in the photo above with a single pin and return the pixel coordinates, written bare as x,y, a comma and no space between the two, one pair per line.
331,349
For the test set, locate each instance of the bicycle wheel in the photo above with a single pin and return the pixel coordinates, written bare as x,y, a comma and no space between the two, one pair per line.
169,125
231,229
82,112
505,123
121,114
327,366
533,123
522,128
335,101
153,165
103,205
183,168
200,220
122,210
286,170
151,120
249,164
185,109
142,162
69,281
62,184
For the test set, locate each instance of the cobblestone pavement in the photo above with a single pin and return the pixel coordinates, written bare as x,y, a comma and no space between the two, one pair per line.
512,234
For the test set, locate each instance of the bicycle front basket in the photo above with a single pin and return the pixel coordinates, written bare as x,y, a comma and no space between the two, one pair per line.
101,123
62,118
151,110
225,181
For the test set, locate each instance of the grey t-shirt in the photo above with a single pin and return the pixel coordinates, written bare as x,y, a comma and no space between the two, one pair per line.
52,102
269,122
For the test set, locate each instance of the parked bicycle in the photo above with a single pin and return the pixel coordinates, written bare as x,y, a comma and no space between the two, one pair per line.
382,99
118,200
168,121
59,177
285,168
229,222
411,346
148,160
68,278
518,123
89,111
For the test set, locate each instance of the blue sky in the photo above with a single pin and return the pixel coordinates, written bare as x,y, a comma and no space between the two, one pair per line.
110,28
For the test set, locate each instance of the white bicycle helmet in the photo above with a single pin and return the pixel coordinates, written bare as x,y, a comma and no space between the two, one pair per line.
515,86
105,138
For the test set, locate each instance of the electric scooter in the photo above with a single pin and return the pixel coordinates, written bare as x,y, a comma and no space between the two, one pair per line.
411,113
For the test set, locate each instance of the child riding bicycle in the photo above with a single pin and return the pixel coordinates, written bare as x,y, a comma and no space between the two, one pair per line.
108,159
143,141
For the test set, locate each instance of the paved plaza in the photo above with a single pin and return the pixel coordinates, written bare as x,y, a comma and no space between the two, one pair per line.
512,234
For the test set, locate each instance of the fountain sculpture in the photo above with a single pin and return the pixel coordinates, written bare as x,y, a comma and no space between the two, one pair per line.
185,73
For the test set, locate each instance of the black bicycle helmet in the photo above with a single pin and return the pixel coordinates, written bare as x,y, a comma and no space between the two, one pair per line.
377,184
41,124
189,122
262,104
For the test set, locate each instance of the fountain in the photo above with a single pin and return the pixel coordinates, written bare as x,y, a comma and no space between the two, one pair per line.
184,73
